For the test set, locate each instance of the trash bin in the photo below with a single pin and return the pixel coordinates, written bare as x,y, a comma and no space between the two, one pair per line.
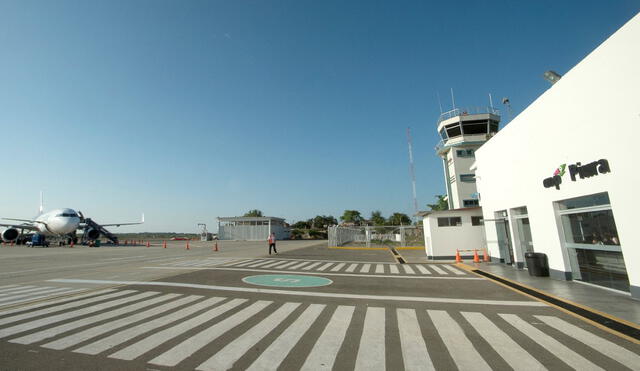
537,264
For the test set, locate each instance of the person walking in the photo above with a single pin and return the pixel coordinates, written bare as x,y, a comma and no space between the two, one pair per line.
272,243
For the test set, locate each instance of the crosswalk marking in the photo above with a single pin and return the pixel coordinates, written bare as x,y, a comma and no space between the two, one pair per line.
261,263
21,289
299,265
186,348
379,268
394,269
414,348
6,287
94,294
365,268
351,268
111,341
606,347
311,266
338,267
29,292
455,270
237,263
142,346
227,356
271,357
325,266
282,266
323,354
248,262
37,295
50,332
66,314
371,353
277,262
460,348
437,269
92,332
407,269
565,354
423,270
505,346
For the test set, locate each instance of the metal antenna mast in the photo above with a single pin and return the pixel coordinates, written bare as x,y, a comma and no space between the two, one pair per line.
412,172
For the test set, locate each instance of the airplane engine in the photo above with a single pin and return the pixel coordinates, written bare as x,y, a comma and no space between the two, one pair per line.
10,234
92,233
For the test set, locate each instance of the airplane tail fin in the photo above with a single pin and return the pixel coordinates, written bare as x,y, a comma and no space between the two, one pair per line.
41,203
142,218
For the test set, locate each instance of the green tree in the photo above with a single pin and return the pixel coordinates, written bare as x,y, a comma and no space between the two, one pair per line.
323,221
440,205
351,216
377,218
301,225
254,212
399,219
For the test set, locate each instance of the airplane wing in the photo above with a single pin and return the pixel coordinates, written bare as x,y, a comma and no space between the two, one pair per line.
120,224
28,227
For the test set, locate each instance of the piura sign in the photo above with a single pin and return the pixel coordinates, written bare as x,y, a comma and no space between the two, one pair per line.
577,170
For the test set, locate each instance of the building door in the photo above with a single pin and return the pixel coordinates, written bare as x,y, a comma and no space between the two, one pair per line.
523,229
504,241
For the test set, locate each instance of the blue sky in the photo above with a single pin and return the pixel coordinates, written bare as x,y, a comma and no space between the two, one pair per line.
189,110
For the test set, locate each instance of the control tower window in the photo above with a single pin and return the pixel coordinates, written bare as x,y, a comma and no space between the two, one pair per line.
475,127
443,134
493,127
453,130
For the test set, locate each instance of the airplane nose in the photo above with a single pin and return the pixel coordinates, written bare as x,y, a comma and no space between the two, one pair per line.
71,225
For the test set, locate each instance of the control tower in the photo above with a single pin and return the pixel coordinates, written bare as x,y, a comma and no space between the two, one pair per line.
462,132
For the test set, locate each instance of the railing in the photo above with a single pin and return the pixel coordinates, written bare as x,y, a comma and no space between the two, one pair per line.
467,111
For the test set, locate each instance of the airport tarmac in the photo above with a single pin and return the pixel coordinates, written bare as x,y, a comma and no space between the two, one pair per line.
309,307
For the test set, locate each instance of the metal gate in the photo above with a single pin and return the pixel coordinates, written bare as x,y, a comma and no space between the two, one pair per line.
376,236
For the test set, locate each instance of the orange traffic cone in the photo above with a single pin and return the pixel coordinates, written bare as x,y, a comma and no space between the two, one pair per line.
215,247
71,244
458,258
188,245
476,258
148,244
485,256
164,244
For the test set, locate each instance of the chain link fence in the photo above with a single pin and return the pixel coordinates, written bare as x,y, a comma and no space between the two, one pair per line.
376,236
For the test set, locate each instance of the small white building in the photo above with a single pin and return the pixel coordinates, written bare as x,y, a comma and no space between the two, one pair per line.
447,231
249,228
562,178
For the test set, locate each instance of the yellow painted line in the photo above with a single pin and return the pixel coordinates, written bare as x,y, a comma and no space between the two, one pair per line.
357,248
596,324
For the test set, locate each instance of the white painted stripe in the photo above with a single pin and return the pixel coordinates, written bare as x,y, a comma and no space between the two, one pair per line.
311,266
438,269
6,287
261,263
13,291
92,332
42,296
51,332
282,266
324,352
454,270
611,350
505,346
40,290
408,269
423,269
111,341
191,345
351,268
365,268
530,303
277,262
325,273
552,345
249,262
275,353
68,304
38,295
394,269
338,267
239,263
371,353
143,346
379,268
299,265
414,348
465,356
227,356
67,315
324,266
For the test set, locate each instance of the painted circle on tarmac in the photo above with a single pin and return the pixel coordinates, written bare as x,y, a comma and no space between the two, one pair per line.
287,280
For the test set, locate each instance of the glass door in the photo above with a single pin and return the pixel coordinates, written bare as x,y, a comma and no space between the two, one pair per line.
504,241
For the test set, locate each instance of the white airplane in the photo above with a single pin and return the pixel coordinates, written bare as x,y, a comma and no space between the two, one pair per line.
58,223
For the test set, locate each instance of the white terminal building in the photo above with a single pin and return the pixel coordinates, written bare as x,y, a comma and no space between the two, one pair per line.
250,228
562,177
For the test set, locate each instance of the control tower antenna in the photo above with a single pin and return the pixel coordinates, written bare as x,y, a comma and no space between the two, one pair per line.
412,172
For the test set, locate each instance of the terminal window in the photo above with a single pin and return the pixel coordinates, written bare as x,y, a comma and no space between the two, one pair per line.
477,220
465,153
468,178
452,221
470,203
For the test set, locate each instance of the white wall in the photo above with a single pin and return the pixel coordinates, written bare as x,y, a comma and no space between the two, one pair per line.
592,113
442,242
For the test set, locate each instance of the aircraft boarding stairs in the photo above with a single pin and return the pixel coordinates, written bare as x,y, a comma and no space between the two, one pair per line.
90,224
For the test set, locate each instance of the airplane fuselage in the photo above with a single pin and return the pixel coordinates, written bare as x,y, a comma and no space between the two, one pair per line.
58,222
